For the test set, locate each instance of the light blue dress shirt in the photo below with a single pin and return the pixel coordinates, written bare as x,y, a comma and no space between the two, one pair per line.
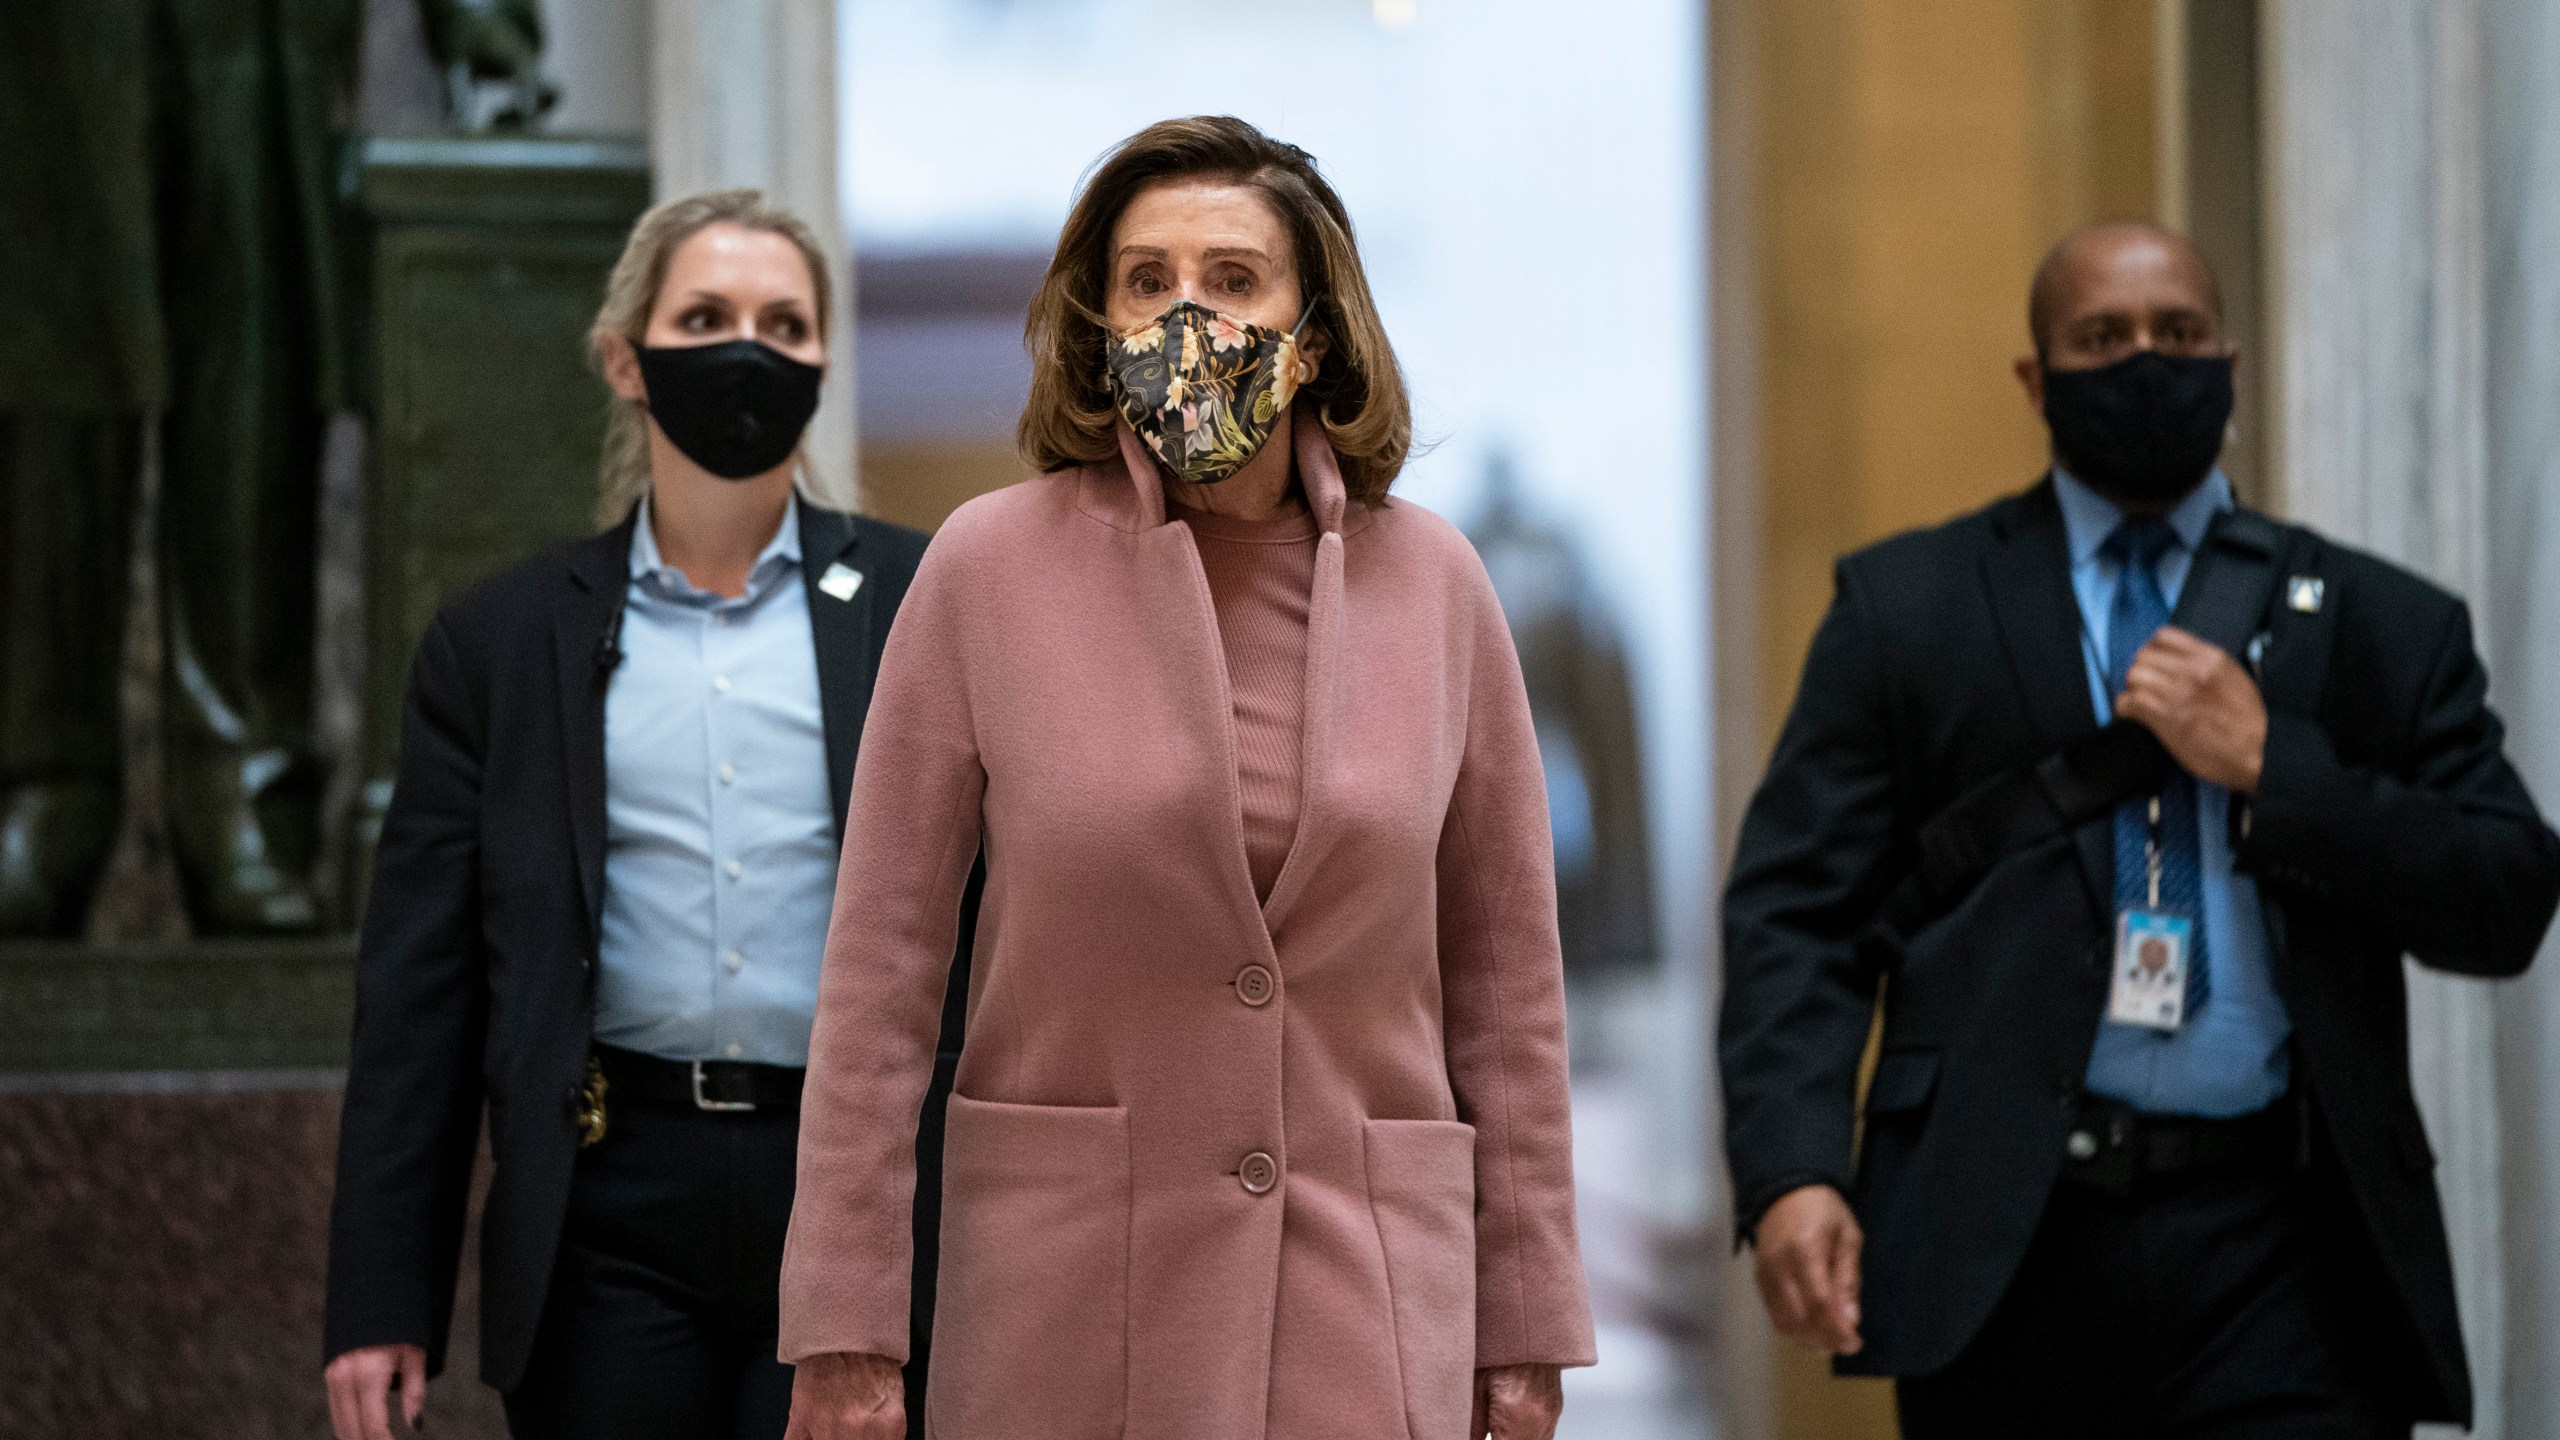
2234,1055
720,848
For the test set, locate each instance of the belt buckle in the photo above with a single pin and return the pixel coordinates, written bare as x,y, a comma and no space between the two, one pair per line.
2101,1152
705,1102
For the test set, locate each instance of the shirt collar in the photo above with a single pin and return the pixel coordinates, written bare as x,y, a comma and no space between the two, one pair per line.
779,553
2088,517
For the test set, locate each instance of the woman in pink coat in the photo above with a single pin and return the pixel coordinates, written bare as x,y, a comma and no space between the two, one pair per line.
1261,1127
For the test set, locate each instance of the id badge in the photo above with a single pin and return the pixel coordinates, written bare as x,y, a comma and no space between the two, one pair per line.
2150,984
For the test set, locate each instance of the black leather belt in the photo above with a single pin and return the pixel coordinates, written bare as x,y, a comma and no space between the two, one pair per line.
2111,1145
721,1085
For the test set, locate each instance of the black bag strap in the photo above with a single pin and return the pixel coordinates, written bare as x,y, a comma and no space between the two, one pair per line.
2225,600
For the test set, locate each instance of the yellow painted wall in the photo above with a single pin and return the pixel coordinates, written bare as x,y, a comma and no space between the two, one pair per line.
1910,163
920,485
1914,162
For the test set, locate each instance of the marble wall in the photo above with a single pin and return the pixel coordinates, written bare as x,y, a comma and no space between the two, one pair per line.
2375,227
2414,181
161,1266
2519,93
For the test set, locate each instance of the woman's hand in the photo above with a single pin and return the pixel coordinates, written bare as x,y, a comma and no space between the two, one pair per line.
1518,1402
848,1397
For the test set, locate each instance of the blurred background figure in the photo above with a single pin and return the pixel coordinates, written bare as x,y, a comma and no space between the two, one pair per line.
1581,691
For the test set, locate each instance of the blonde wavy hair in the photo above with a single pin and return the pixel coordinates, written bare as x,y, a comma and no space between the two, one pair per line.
1358,393
632,293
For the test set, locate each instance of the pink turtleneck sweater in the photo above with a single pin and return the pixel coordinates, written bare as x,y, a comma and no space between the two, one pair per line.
1261,573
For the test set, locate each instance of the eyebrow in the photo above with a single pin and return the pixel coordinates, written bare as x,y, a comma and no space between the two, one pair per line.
716,298
1220,252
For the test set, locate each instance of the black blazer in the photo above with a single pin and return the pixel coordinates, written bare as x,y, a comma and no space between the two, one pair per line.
475,978
2387,821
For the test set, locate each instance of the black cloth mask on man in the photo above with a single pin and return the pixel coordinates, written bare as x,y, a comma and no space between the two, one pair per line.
2145,430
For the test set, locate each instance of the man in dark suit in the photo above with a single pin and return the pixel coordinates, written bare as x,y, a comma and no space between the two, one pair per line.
632,1235
2139,1154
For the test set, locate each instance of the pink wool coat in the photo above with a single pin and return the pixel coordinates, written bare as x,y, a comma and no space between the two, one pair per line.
1215,1170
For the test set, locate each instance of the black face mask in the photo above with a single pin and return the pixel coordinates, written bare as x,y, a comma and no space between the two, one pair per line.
2144,430
736,409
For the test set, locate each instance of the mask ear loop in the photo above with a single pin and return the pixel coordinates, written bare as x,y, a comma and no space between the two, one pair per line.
1313,304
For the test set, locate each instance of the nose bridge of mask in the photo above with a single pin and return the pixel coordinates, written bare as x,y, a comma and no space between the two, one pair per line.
1192,315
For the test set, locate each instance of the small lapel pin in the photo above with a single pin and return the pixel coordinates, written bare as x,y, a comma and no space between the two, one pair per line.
2304,593
841,580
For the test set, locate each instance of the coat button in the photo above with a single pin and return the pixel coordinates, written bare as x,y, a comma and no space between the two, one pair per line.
1259,1172
1254,985
2083,1145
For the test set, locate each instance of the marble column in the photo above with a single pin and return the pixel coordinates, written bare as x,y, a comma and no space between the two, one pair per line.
2520,131
597,52
743,92
2377,243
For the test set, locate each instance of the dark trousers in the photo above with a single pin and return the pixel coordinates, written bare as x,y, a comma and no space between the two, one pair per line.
2202,1305
662,1312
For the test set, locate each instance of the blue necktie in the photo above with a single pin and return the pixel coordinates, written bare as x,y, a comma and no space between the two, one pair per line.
2139,609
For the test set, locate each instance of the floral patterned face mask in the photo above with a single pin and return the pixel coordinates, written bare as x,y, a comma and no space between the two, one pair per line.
1204,390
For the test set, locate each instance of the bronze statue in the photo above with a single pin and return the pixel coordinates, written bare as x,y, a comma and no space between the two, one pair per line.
477,41
171,277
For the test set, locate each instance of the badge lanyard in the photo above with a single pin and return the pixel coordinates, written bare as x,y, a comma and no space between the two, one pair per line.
2148,981
2148,986
2151,854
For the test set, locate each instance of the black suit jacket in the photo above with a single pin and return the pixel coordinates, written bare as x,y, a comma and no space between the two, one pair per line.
475,982
2387,821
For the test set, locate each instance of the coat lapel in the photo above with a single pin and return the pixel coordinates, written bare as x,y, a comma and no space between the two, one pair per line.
848,633
585,646
2293,675
1321,475
2026,573
1190,639
1327,496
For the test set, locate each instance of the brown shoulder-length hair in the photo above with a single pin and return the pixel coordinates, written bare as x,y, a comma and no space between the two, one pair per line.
1358,393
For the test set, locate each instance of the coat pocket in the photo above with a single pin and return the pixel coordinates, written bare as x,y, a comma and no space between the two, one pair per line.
1031,1321
1422,1193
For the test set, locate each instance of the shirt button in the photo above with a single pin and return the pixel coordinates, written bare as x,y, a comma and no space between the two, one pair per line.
720,683
733,960
736,1049
1254,985
728,774
2083,1145
736,869
1259,1173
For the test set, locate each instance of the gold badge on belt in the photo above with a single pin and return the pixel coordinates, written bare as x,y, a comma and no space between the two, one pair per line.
591,1105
